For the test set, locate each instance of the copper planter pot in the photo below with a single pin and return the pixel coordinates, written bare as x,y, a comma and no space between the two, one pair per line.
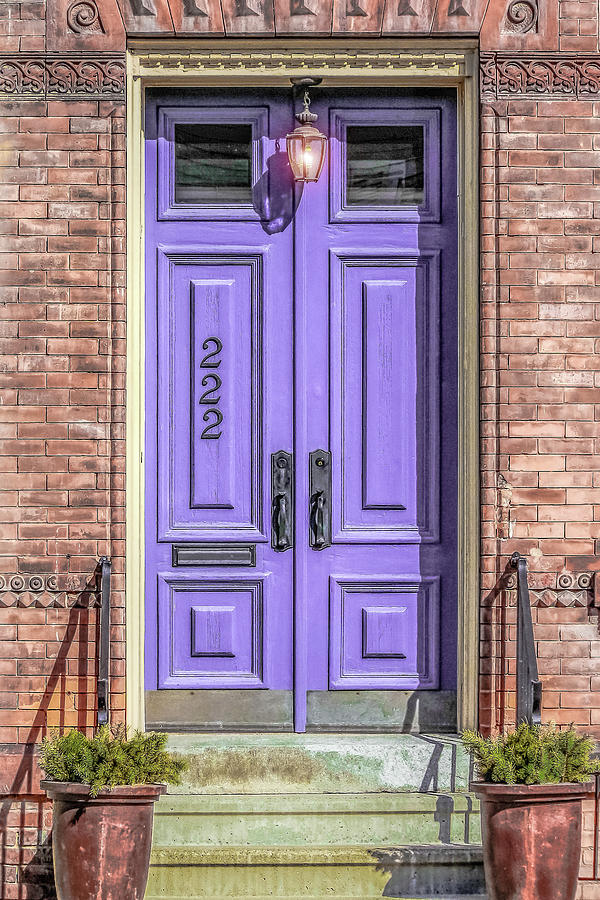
531,839
101,845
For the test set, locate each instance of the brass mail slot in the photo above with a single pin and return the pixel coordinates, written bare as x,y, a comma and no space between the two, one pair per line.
214,555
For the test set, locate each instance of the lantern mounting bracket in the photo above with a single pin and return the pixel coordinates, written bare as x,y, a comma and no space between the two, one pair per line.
305,81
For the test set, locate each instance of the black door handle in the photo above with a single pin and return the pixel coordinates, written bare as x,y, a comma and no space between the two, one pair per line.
282,500
320,499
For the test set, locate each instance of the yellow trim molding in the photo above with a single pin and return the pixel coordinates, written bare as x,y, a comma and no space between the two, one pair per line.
134,422
272,60
343,62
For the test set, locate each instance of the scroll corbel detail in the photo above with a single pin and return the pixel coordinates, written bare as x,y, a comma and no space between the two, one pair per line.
83,17
521,17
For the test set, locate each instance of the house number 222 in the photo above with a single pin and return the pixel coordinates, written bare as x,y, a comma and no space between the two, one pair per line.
212,382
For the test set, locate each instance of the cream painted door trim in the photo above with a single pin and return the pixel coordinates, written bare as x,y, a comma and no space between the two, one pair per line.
403,63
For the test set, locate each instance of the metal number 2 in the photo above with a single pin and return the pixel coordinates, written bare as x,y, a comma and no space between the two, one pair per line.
209,361
205,364
207,433
206,396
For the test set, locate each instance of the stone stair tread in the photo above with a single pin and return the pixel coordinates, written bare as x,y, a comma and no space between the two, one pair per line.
392,801
419,872
275,820
432,853
332,854
248,763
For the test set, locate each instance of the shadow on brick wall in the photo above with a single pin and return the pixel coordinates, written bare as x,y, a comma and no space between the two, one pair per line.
25,814
495,681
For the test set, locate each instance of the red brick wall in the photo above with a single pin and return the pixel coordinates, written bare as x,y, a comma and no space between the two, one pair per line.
540,260
62,346
578,25
62,365
22,26
540,376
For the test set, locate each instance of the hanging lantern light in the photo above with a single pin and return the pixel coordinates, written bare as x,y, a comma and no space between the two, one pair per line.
306,146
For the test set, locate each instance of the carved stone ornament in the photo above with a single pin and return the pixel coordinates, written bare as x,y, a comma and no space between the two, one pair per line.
48,591
570,590
521,16
551,75
83,17
457,8
93,75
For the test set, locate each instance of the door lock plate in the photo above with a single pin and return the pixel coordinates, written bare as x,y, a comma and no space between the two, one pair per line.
282,501
320,499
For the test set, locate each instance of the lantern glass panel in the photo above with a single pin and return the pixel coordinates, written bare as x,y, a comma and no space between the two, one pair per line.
295,148
314,157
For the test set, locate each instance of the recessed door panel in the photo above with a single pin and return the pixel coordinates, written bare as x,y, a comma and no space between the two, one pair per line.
384,633
384,374
219,403
211,632
210,372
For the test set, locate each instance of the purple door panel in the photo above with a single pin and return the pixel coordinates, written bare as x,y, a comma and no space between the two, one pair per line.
380,393
218,628
219,400
281,322
209,392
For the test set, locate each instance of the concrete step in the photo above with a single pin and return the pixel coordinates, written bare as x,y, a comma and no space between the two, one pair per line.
444,872
321,763
295,820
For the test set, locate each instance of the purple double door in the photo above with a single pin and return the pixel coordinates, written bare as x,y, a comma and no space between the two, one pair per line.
301,410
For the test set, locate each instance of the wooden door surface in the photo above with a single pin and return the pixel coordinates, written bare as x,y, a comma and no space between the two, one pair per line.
301,413
376,388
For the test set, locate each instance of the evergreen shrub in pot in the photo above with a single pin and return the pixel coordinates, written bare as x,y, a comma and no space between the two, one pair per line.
534,779
103,790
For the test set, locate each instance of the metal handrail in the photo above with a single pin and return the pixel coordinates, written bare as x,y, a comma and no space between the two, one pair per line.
529,686
102,716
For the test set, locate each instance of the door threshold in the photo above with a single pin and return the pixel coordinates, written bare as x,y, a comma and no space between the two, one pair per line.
379,712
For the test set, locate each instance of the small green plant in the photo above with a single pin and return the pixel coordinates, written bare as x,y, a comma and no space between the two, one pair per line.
111,757
532,754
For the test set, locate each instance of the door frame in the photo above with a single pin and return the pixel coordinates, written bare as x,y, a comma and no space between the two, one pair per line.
342,63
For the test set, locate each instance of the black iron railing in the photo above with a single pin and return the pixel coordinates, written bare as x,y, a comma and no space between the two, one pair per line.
104,642
529,686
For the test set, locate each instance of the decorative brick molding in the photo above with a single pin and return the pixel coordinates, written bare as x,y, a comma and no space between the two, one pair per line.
49,591
547,75
53,75
570,589
102,24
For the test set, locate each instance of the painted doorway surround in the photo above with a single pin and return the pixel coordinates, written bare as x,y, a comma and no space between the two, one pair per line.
342,589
